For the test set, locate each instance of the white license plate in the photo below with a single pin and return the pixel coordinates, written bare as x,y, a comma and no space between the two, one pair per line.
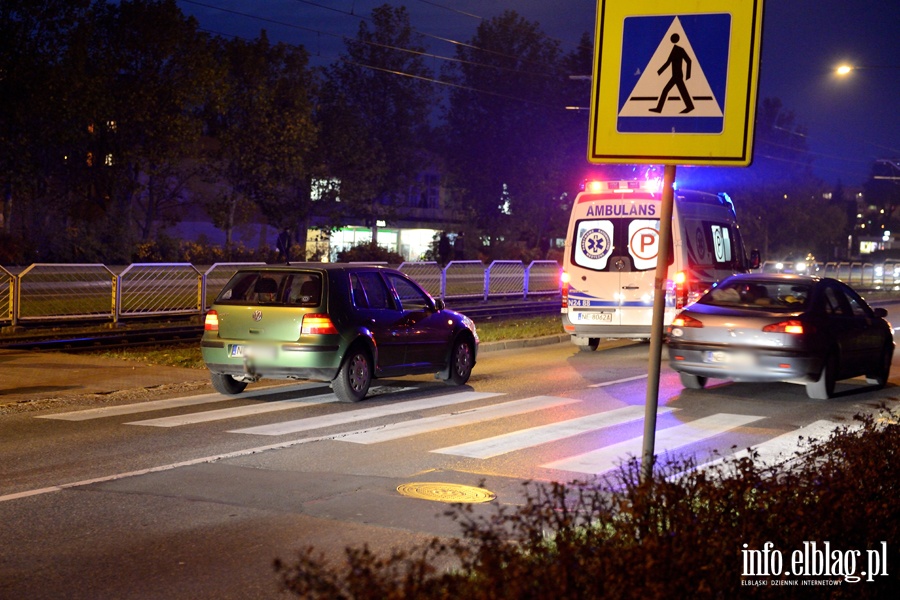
594,317
723,357
263,352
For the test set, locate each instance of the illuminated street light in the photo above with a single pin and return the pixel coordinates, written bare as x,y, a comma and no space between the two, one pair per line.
845,69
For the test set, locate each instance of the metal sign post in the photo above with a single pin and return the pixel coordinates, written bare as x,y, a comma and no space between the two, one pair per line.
656,328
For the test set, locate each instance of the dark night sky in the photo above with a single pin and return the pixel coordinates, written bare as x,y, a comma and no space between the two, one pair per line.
850,121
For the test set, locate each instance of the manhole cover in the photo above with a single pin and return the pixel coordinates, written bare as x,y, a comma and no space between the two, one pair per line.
445,492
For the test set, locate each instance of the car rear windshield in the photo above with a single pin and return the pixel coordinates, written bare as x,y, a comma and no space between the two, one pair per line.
762,295
285,288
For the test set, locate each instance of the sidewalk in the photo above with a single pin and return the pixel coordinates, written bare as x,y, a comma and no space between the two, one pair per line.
45,376
53,376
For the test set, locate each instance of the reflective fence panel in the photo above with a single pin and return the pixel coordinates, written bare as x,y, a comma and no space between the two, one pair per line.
504,278
52,292
7,310
465,279
427,274
153,289
542,277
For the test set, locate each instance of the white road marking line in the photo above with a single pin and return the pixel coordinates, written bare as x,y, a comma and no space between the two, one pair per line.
235,412
518,440
139,407
362,414
617,381
404,429
609,457
784,446
161,468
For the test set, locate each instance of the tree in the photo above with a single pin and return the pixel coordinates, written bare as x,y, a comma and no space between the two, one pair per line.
509,139
882,191
154,75
37,107
374,112
263,133
781,205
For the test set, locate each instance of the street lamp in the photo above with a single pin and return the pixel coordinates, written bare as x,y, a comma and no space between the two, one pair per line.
845,69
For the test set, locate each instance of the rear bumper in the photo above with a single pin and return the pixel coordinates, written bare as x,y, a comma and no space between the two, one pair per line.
602,330
754,365
287,361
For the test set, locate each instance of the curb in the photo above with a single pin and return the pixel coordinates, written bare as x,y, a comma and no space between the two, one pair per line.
524,343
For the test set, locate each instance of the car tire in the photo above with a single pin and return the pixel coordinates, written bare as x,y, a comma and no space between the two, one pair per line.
226,384
692,382
354,377
461,362
880,377
592,345
823,387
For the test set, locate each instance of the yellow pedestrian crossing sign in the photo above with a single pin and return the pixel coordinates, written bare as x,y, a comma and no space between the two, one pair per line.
675,82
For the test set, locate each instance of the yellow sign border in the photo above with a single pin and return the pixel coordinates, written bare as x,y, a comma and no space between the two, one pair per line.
734,146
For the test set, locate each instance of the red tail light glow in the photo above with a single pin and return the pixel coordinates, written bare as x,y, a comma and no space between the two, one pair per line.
212,321
790,326
686,321
317,324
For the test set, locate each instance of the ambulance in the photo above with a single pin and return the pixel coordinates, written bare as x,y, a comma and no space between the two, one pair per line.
612,243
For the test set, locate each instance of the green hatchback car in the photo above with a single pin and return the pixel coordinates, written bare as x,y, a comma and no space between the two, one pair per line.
343,323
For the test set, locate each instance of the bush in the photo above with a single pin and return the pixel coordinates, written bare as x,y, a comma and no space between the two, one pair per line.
369,252
684,533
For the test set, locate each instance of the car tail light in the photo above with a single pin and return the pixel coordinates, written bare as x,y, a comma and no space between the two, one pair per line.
564,282
680,289
317,324
686,321
790,326
212,321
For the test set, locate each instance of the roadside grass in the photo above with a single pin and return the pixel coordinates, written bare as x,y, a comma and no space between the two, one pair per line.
187,355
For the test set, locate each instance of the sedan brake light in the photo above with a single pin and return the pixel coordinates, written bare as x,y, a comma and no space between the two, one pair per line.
686,321
790,326
212,321
317,324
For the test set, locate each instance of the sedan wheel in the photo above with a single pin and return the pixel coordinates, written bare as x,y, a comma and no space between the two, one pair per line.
226,384
692,382
880,377
823,388
460,362
354,377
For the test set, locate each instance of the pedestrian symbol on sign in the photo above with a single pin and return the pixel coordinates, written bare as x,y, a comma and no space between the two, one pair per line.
681,68
679,74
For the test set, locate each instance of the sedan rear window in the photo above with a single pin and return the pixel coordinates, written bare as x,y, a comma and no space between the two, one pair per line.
262,288
762,295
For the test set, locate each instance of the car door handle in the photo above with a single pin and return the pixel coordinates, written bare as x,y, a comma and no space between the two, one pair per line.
631,287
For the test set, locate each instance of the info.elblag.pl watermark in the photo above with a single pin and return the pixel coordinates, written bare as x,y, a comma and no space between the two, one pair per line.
813,564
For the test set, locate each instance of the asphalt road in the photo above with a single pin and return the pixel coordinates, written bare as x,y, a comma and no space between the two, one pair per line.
193,496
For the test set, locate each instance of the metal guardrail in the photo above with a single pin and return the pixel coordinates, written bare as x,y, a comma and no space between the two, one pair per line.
865,276
69,292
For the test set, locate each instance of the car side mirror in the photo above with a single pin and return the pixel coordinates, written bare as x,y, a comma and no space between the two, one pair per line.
439,305
880,312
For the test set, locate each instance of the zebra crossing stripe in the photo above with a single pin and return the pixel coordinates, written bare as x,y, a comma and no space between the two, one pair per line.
609,457
509,442
139,407
785,446
404,429
235,412
354,416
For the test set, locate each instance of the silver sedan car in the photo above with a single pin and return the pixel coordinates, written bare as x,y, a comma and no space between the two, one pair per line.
770,327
